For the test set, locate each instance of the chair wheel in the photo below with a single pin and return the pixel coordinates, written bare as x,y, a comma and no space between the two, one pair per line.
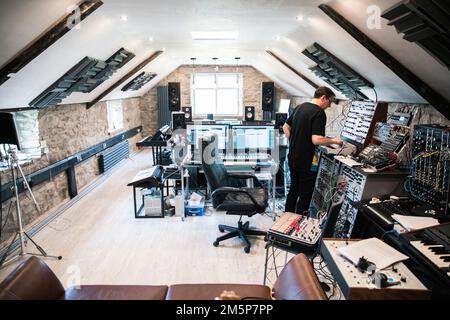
216,243
247,249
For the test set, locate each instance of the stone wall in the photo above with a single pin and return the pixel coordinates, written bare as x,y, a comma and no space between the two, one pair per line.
252,80
65,130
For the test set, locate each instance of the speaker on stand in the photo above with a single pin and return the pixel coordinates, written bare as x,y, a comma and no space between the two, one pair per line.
174,96
187,113
249,113
267,100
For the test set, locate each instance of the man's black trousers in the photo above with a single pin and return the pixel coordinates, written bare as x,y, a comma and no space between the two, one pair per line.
301,190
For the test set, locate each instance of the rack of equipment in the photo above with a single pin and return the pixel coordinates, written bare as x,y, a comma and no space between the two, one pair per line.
362,186
360,123
429,178
325,190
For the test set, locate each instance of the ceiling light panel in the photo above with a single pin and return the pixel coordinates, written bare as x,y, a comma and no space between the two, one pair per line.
214,35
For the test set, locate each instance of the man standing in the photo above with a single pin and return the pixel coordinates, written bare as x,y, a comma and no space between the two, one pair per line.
305,129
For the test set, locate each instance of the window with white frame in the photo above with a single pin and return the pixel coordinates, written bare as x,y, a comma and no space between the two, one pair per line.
217,93
115,115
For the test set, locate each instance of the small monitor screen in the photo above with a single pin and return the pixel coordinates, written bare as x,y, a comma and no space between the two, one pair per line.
284,105
196,132
253,137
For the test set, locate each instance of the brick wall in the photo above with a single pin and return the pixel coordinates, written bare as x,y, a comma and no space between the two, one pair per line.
252,80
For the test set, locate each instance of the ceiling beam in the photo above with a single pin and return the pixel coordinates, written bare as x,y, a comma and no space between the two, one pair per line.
124,78
40,44
306,79
434,98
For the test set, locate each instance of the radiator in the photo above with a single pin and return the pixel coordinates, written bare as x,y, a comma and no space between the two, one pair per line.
163,106
112,156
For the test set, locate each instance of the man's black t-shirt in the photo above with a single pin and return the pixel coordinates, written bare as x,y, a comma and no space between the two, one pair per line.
307,120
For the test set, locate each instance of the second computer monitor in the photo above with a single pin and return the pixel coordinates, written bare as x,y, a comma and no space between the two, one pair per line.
253,137
196,132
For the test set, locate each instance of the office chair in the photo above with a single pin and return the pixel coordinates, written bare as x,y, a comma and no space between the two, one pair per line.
228,193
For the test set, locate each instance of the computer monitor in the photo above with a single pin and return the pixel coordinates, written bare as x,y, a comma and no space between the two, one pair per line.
253,137
196,132
284,105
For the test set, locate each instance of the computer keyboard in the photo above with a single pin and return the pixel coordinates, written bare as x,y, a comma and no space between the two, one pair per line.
246,157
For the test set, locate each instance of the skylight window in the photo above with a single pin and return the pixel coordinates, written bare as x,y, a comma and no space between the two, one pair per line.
214,35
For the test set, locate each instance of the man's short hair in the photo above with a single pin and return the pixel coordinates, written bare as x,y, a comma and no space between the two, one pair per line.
325,91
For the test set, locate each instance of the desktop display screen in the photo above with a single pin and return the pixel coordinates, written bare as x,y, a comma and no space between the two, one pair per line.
253,137
196,132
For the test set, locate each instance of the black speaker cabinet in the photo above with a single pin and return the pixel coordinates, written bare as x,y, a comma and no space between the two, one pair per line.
178,120
188,113
280,120
174,96
267,96
8,131
249,113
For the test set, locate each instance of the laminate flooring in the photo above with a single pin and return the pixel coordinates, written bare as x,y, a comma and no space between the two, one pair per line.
102,243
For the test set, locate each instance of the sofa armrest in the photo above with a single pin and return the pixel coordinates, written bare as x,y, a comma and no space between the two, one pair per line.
31,280
298,281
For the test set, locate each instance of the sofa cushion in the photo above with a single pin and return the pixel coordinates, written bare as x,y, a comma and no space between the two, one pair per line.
211,291
31,280
117,292
298,281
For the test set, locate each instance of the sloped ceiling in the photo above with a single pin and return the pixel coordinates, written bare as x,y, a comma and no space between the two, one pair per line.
261,25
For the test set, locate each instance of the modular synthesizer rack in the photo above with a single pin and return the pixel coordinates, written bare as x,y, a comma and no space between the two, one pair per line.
326,180
360,123
429,179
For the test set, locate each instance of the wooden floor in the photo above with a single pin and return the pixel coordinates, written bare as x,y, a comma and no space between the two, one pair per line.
102,243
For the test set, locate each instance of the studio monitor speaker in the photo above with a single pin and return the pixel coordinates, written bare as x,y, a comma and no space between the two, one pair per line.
249,113
8,131
280,120
174,96
267,96
178,120
188,113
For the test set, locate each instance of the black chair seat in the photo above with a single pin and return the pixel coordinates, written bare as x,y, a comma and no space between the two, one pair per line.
242,204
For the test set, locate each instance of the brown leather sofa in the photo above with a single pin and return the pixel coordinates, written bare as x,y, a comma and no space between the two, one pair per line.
34,280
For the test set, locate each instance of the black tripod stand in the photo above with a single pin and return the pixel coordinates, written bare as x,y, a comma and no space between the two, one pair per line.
13,163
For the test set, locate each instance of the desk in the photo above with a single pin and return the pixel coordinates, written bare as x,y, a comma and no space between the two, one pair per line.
154,178
138,211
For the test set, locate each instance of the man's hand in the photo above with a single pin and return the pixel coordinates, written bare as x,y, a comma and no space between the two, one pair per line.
338,141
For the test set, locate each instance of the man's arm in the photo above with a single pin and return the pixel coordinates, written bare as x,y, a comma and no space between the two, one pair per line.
324,141
287,131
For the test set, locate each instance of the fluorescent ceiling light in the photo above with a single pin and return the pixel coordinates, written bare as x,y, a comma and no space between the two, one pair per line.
214,35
